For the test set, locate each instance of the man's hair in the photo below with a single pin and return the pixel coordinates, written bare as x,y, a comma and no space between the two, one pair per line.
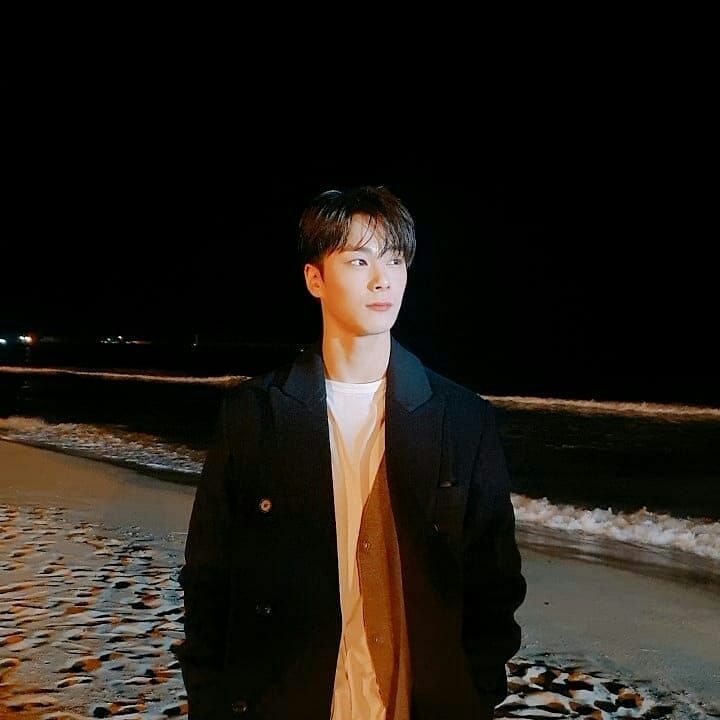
325,222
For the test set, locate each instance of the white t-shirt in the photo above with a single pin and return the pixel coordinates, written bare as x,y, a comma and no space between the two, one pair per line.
356,418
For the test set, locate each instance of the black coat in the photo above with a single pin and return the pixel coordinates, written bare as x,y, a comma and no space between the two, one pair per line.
262,603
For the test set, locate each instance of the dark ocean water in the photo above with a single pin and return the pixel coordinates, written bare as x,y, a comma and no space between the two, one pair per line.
534,371
667,463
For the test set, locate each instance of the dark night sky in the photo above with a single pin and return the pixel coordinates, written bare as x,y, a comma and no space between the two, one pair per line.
126,214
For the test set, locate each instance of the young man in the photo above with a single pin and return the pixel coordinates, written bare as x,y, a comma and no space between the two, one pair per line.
351,551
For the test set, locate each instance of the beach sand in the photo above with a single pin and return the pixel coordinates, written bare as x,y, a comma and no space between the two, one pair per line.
90,607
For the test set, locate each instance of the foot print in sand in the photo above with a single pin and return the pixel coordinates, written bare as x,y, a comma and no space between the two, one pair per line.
88,620
538,689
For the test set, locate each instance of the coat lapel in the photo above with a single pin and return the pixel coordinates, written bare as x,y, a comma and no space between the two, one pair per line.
302,430
413,442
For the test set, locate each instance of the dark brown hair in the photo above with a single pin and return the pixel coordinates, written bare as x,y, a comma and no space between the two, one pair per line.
325,222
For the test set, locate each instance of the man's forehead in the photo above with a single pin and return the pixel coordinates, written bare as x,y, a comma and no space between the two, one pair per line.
365,231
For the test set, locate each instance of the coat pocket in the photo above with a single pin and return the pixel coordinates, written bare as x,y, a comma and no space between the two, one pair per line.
450,500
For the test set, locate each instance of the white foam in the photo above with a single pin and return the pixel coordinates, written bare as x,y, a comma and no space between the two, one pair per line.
694,535
104,443
127,375
516,402
671,411
700,536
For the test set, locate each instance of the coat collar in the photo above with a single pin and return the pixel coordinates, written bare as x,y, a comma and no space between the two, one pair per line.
407,382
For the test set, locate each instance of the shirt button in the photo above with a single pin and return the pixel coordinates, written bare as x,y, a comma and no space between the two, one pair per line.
262,609
376,639
239,707
265,505
366,545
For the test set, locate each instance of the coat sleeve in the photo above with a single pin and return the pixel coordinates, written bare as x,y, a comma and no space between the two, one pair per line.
205,580
493,584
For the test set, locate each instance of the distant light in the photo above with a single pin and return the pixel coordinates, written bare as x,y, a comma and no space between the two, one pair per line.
25,339
3,341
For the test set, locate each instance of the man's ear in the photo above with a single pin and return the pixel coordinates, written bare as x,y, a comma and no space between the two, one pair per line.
313,279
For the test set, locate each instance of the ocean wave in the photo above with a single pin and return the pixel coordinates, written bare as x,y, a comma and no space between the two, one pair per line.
668,411
126,375
103,442
699,536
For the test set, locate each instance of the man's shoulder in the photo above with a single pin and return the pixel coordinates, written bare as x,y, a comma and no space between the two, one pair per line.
463,405
440,384
455,392
258,385
245,403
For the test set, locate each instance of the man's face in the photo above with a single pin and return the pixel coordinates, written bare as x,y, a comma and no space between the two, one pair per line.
355,278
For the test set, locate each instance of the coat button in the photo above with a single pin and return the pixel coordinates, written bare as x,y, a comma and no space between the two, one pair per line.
239,707
263,609
366,545
265,505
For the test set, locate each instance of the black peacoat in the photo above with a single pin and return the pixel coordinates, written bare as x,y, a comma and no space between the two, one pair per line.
260,579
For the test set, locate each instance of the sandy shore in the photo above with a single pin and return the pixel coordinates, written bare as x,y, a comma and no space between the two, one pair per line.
90,606
637,626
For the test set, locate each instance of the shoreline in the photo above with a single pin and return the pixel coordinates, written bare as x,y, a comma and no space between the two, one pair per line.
665,563
651,560
660,631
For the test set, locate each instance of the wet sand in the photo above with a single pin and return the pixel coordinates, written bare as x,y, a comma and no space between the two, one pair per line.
90,607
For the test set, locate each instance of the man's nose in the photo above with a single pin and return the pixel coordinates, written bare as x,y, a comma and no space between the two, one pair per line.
380,280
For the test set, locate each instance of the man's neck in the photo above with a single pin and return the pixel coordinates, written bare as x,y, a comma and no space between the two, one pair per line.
356,360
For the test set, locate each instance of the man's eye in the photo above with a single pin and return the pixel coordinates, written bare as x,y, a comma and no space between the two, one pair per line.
357,260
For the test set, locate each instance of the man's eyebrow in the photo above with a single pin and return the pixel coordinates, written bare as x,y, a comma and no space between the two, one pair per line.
361,249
